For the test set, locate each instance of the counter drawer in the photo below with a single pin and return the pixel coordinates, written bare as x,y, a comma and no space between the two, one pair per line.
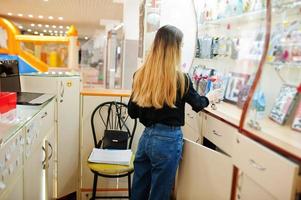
219,133
273,172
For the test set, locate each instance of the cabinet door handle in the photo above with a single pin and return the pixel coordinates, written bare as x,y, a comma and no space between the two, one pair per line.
62,92
44,115
51,152
256,165
45,157
216,133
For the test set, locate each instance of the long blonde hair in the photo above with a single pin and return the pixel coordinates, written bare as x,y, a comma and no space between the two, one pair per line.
157,81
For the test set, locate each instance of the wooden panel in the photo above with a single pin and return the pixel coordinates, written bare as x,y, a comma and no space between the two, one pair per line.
265,167
203,174
250,190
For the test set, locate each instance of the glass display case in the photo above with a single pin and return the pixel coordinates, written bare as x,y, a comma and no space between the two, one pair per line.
274,111
251,49
229,48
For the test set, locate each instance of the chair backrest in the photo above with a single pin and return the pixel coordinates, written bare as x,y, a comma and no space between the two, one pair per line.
112,115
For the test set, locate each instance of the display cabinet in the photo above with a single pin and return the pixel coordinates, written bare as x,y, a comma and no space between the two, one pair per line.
229,47
274,110
251,50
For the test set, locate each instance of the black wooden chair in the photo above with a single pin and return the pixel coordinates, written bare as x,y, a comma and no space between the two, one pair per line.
111,116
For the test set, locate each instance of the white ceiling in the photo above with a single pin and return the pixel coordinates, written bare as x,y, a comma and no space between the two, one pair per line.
84,14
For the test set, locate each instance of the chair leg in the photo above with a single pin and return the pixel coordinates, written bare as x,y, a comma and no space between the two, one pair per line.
129,186
94,187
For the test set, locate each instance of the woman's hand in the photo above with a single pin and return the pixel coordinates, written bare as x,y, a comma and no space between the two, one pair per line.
215,95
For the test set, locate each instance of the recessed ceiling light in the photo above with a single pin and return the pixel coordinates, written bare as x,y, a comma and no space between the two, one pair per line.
67,27
28,30
20,27
41,34
86,38
61,27
50,17
61,31
47,26
50,31
9,14
41,17
32,25
51,34
60,18
45,0
20,15
55,31
30,16
45,31
53,26
39,25
36,32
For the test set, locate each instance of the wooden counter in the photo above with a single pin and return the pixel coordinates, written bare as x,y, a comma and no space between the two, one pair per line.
106,92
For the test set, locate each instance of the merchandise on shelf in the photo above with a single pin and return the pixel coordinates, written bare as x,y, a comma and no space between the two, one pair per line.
283,104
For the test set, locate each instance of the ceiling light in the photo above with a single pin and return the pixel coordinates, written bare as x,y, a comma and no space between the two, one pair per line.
20,15
50,17
61,27
61,31
45,0
41,34
56,34
28,30
45,31
55,31
36,32
32,25
47,26
50,31
51,34
9,14
20,27
67,27
53,26
60,18
41,17
39,25
30,16
86,38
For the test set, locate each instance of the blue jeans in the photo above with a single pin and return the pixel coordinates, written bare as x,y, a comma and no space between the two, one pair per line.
156,162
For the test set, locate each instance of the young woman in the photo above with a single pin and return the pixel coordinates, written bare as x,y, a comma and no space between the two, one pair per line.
160,91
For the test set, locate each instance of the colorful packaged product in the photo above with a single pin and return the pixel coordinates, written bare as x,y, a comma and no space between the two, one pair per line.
283,104
297,119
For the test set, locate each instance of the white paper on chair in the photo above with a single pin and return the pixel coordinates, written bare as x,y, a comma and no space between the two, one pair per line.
109,156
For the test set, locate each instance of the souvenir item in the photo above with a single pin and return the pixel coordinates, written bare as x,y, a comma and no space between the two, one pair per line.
215,44
297,119
283,104
206,47
235,84
259,102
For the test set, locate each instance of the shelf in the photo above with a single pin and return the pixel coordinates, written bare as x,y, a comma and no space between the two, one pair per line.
226,111
282,136
238,19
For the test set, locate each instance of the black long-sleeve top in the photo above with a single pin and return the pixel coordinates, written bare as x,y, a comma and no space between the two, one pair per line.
167,115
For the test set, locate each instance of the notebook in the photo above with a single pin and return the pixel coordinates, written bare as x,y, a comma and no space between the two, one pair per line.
109,156
10,82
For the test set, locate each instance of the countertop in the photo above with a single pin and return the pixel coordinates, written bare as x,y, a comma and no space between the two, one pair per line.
17,119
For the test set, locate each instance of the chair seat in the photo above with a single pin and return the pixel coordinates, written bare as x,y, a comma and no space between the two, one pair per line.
111,169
